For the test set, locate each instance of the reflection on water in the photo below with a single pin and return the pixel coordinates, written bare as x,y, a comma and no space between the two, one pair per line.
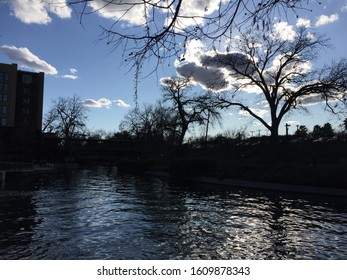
99,214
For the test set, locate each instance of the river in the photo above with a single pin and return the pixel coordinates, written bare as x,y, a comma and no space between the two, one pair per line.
100,214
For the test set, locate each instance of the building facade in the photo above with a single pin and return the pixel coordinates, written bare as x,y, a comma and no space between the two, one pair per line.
21,99
21,102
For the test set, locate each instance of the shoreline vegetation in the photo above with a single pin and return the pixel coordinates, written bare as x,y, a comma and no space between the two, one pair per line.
318,167
287,165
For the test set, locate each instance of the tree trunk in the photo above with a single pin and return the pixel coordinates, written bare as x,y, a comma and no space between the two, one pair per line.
182,134
274,130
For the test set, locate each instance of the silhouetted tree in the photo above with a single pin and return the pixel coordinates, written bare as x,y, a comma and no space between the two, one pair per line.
277,67
149,123
122,136
325,131
99,134
67,117
302,131
190,108
317,131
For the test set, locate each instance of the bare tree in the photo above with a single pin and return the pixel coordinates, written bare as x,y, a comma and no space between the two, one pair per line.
149,123
67,117
278,71
160,29
191,108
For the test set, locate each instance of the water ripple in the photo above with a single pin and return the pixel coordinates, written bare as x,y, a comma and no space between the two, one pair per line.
98,214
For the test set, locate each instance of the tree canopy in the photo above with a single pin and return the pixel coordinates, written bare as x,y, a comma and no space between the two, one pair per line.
189,107
66,117
271,75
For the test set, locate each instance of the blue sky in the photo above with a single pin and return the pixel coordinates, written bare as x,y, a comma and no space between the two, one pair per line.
76,62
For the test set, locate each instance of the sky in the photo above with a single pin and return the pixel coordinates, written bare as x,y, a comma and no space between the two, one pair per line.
52,39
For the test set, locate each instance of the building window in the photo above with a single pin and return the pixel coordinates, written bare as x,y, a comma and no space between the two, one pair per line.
4,86
3,97
27,79
4,76
3,121
26,101
26,92
25,112
3,109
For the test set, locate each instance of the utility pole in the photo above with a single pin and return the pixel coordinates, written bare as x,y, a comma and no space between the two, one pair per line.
207,124
287,128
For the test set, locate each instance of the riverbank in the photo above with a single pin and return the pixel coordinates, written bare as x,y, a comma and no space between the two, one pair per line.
15,170
294,166
266,186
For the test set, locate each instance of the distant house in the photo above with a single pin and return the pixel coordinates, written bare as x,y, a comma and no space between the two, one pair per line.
21,102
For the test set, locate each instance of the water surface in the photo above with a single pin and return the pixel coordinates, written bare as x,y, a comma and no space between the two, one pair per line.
99,214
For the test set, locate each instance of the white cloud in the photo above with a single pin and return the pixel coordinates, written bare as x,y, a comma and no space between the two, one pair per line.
220,71
311,100
72,77
256,123
132,11
193,12
223,71
303,22
167,81
323,19
73,71
121,103
293,123
193,51
34,11
344,8
260,112
284,31
215,71
100,103
27,59
234,62
72,74
311,36
289,71
209,78
103,103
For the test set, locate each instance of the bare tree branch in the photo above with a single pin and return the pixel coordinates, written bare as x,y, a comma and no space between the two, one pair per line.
280,72
145,29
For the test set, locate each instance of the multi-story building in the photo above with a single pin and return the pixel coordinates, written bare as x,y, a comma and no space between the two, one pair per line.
21,99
